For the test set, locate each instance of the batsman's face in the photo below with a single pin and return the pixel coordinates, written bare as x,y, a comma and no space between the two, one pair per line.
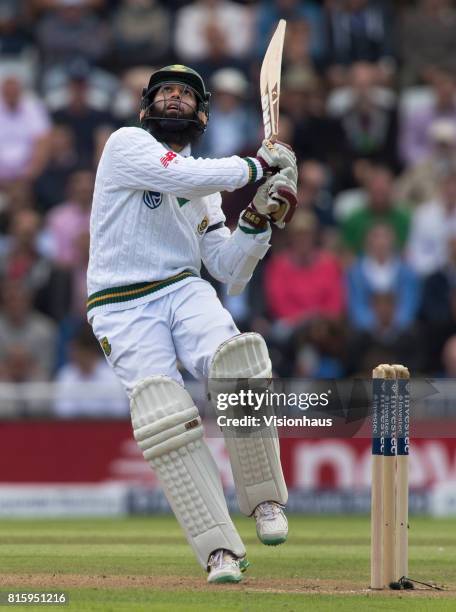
175,100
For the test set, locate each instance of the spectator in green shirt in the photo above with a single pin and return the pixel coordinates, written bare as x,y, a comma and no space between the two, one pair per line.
380,207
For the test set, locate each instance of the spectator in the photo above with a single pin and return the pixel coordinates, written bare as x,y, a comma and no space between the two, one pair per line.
303,281
385,338
316,136
299,83
24,129
125,106
319,349
71,30
15,40
50,185
22,326
381,271
438,307
25,260
449,358
296,47
420,183
212,34
381,207
79,276
269,14
141,32
432,225
369,119
66,222
358,31
416,137
86,386
90,127
233,126
313,192
439,290
428,40
21,365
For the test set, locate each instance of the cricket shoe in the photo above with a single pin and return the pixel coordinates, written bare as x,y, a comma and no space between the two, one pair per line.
271,523
225,567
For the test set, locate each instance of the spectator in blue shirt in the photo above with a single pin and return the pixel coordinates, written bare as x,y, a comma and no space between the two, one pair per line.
380,270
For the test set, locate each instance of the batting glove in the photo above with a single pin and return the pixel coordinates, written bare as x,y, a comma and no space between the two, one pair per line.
256,213
275,200
275,156
282,192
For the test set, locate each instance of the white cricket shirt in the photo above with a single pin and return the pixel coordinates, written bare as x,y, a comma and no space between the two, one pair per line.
151,210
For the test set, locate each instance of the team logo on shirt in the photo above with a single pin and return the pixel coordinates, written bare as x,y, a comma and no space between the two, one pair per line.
106,346
202,227
167,158
152,199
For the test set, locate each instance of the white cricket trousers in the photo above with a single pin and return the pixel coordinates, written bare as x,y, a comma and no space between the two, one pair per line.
188,324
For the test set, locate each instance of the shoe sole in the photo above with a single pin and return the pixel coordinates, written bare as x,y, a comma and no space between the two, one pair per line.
273,541
226,580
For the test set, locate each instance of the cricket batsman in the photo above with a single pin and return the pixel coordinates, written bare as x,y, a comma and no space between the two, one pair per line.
156,216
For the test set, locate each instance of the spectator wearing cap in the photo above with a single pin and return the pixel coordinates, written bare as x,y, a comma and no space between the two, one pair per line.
69,30
67,221
211,34
380,206
21,325
303,281
24,132
420,183
428,40
432,225
140,32
415,141
233,126
380,270
89,126
86,385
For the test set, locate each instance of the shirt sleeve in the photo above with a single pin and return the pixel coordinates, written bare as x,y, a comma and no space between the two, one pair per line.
232,257
40,123
141,162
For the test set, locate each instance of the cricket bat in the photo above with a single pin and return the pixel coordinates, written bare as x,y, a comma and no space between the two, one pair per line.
270,82
270,91
270,96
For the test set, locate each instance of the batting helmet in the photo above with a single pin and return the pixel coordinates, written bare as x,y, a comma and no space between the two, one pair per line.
177,73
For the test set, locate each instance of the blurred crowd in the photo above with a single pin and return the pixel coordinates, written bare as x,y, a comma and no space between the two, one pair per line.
366,271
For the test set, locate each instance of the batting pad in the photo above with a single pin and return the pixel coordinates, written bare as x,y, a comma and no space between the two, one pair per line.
255,457
167,428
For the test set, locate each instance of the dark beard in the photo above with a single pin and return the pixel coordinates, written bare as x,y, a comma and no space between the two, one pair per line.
178,132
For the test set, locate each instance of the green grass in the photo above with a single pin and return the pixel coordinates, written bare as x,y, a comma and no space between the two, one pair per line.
145,564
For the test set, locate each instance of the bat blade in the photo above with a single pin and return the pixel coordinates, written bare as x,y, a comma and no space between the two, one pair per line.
270,82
